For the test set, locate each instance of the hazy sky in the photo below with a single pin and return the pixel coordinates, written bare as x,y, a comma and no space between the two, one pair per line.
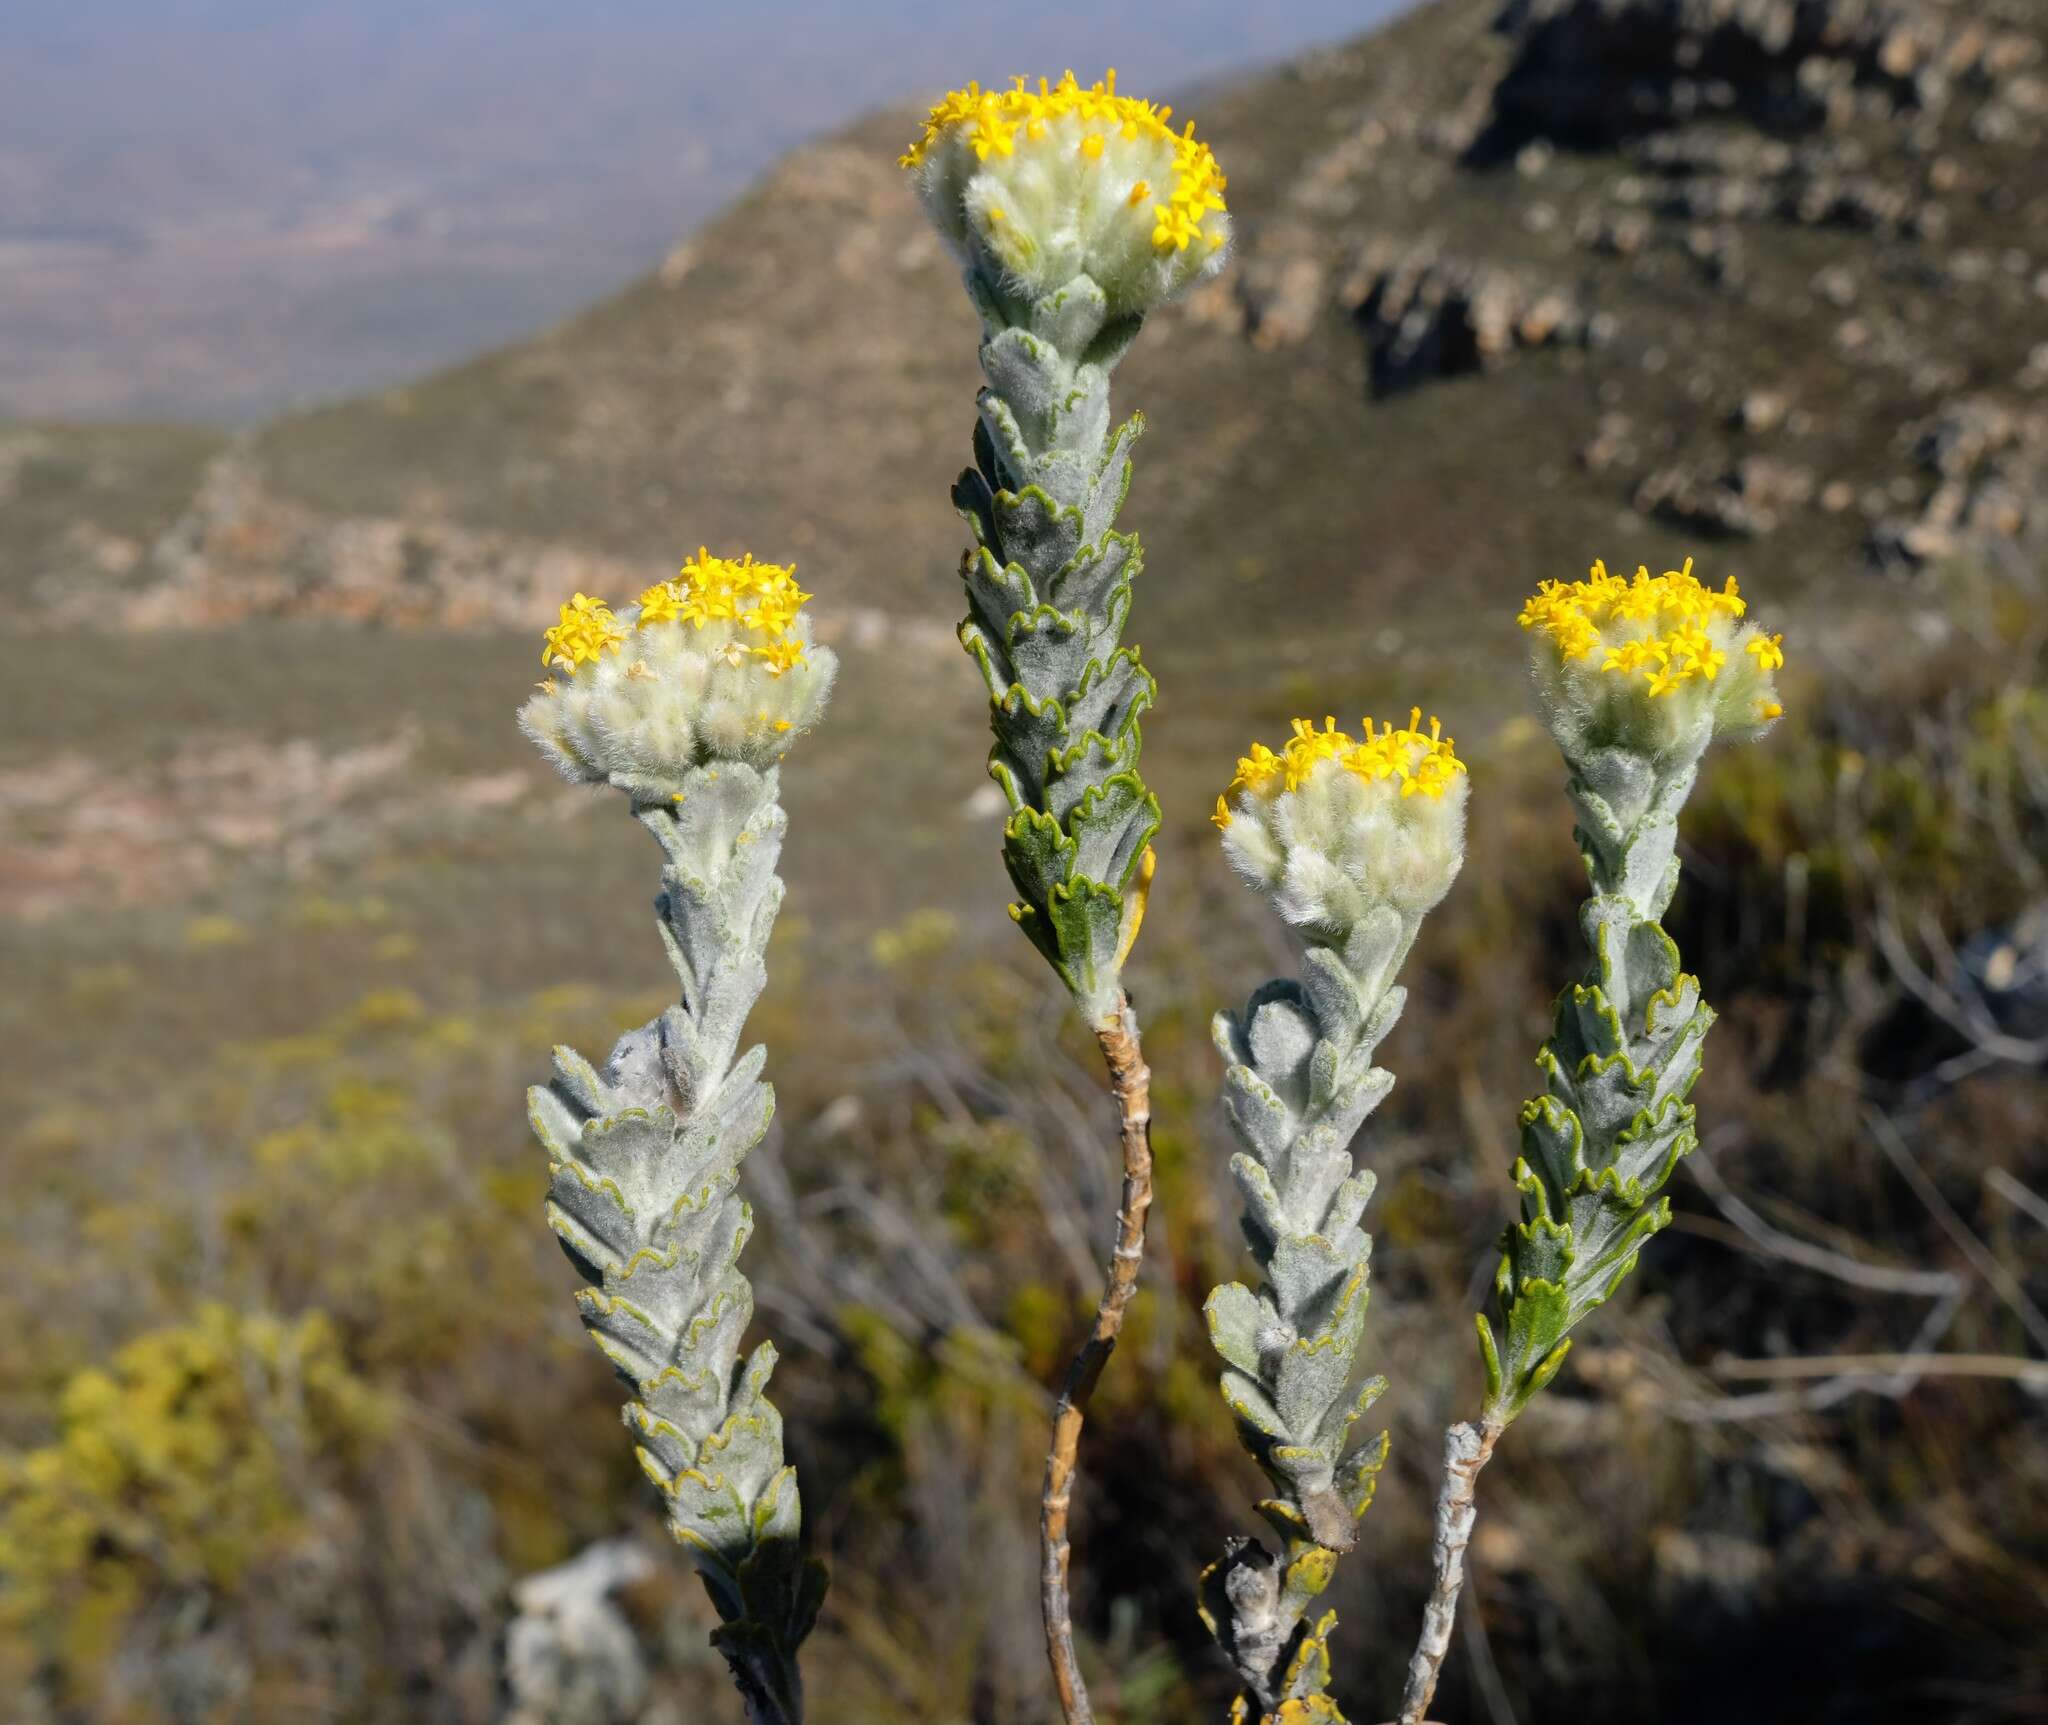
211,207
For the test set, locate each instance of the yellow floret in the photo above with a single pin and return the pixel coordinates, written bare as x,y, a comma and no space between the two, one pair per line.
661,603
587,631
1257,769
992,135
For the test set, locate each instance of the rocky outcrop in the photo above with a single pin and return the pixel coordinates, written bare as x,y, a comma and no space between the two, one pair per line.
78,830
1283,286
240,550
1989,463
1743,501
710,398
571,1656
1426,315
1594,72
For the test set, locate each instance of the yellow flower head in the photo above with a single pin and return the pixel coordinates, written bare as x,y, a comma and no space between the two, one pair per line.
759,600
714,664
1066,117
1668,629
1332,825
1667,640
1041,184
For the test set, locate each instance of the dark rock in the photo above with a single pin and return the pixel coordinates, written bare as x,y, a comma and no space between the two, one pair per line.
1429,315
1591,73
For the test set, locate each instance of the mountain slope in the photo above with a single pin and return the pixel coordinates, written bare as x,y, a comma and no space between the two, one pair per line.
1787,281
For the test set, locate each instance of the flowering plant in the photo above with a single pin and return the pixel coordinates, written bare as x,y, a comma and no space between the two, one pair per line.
1353,842
714,664
686,702
1056,201
1074,212
1635,679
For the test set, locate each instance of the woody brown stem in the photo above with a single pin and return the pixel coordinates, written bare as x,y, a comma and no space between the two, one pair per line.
1131,1082
1467,1449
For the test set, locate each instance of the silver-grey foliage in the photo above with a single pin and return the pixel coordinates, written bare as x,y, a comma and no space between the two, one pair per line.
644,1161
1049,589
1614,1119
1352,843
1301,1081
1635,678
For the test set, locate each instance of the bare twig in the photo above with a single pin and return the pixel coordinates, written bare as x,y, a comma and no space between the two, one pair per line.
1467,1449
2002,1280
1813,1398
2021,1198
1827,1380
2032,1373
1857,1274
1957,1003
1485,1673
1131,1082
892,1228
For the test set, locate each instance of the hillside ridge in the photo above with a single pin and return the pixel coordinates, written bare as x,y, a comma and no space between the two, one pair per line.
1720,270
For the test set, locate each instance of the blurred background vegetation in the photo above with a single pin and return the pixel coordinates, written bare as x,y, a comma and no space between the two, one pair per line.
289,918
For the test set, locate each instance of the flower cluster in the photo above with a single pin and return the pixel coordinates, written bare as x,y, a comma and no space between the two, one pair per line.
1044,185
716,663
763,597
588,630
1333,826
1658,664
1424,762
755,599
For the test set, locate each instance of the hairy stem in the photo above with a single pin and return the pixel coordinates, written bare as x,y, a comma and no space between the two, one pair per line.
1467,1449
1131,1082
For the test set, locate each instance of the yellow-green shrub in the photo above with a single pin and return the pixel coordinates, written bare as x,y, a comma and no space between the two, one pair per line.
178,1465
